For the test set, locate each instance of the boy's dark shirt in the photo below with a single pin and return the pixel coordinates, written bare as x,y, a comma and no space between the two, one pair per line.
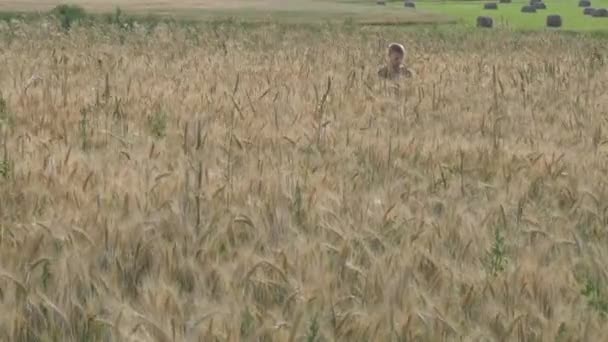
387,73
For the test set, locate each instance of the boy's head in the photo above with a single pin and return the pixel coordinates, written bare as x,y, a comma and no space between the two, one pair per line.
396,54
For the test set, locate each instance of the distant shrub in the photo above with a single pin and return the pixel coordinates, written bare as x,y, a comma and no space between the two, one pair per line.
409,3
490,6
596,297
8,16
69,14
381,2
554,20
157,124
485,22
121,20
5,115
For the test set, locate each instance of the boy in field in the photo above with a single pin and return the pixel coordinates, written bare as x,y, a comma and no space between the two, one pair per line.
395,68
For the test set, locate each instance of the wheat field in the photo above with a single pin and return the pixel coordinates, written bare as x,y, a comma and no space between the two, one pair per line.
223,183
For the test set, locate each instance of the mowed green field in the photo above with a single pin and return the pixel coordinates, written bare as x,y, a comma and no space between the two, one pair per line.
510,16
461,13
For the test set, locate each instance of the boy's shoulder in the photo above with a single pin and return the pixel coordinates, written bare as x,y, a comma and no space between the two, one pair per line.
386,72
405,71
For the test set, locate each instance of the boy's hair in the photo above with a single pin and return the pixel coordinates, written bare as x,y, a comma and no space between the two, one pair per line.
396,47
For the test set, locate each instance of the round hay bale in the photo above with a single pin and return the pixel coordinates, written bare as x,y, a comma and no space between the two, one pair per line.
409,4
532,2
504,1
584,3
554,20
490,6
381,2
540,6
528,9
485,22
600,13
588,11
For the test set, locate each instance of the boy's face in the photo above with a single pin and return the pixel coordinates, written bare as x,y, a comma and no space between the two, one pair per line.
396,58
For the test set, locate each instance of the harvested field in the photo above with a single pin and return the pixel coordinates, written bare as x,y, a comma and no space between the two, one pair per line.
291,11
511,16
135,5
215,183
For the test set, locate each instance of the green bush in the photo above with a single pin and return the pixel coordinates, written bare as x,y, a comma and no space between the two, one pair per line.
69,14
6,119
